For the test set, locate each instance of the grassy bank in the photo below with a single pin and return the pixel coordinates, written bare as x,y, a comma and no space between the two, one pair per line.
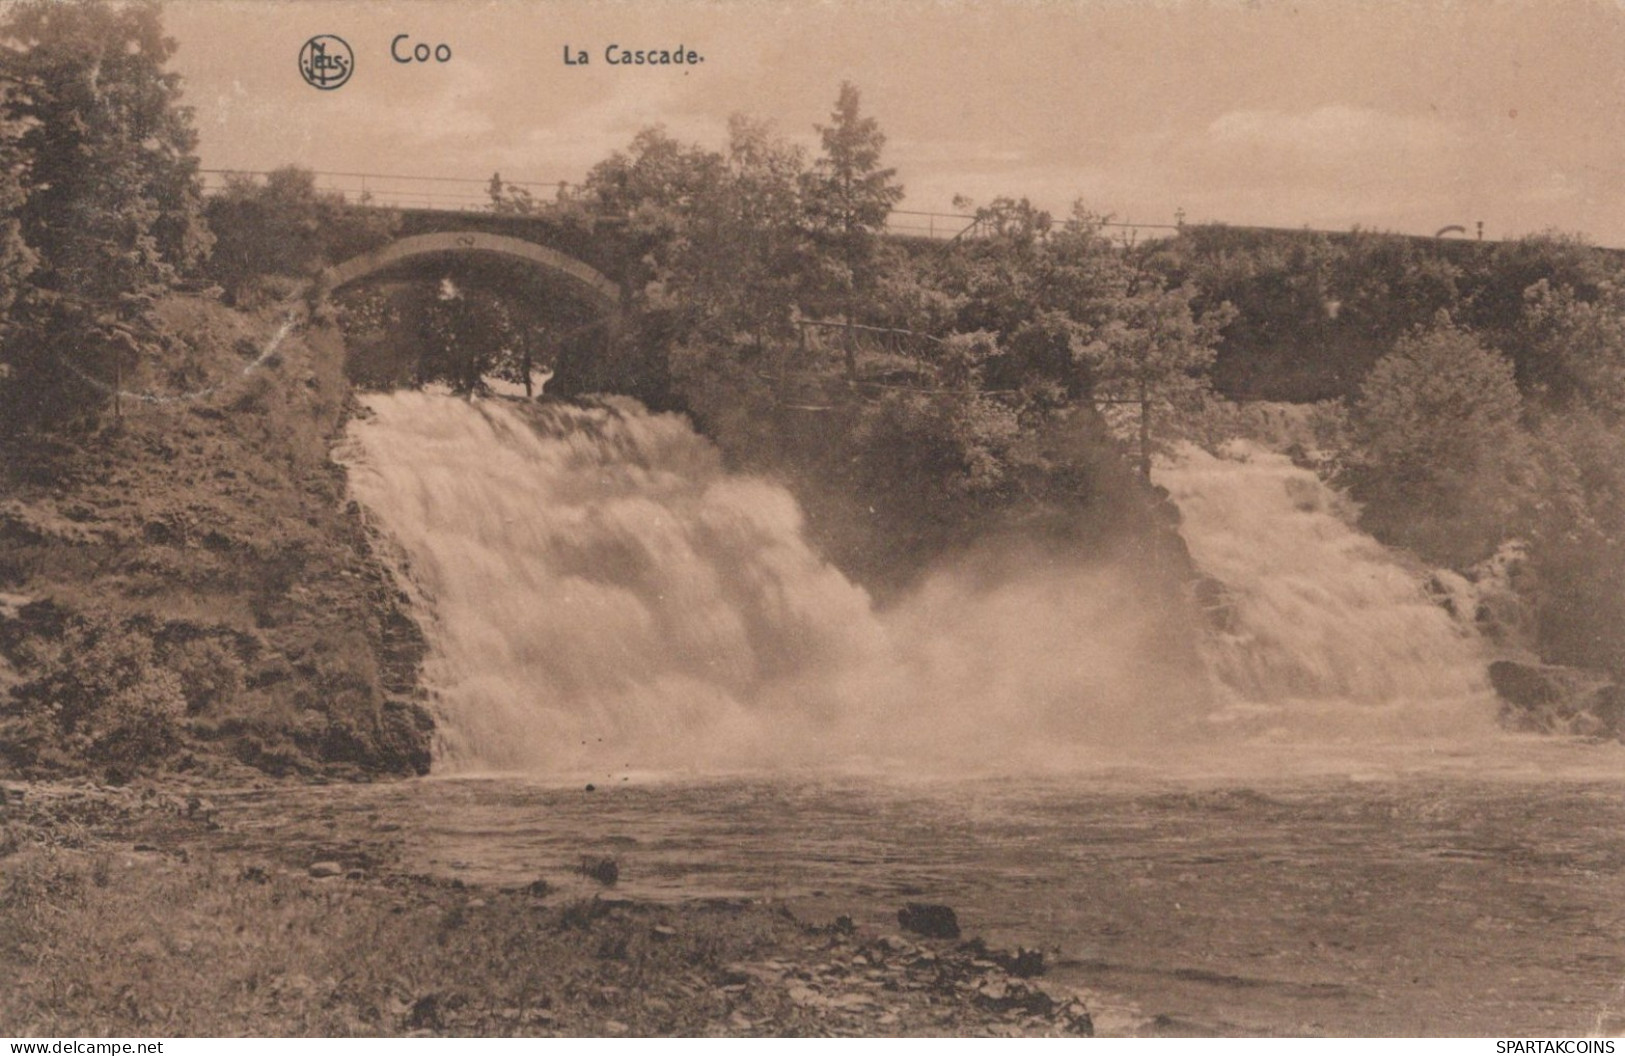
186,587
135,912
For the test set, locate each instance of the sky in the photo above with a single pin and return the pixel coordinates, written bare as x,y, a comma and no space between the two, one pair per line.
1320,113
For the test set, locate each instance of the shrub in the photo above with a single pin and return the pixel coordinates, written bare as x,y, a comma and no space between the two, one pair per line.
102,699
211,675
1442,462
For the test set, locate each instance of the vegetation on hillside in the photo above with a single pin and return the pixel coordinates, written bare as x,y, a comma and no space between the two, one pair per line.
190,589
182,583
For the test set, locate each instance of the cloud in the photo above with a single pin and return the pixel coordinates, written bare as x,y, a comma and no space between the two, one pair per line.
1332,136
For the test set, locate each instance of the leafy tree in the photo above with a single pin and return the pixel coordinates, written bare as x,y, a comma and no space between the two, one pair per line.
113,204
1578,545
1444,465
1494,284
656,185
1077,317
272,228
1313,310
468,335
747,251
1579,346
1574,349
286,227
509,199
111,201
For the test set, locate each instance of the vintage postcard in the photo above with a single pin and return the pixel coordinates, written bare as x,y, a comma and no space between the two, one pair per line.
787,518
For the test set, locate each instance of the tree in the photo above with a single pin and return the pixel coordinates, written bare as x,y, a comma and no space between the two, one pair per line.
1577,550
262,229
1078,318
654,185
721,238
509,199
747,251
468,335
848,199
1577,346
1155,352
111,201
1444,465
286,227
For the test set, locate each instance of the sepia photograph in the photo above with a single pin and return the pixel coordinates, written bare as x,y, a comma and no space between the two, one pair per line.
805,518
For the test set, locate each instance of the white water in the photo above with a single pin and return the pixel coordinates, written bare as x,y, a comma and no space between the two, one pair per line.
600,592
1322,628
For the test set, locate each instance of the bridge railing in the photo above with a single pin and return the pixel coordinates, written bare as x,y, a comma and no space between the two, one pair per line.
441,193
455,194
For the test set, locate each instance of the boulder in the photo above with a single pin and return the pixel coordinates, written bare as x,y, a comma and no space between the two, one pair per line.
1023,964
1545,698
604,870
322,870
1217,603
1549,698
929,919
1606,705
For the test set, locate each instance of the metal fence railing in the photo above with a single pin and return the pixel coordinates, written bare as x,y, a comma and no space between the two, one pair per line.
458,194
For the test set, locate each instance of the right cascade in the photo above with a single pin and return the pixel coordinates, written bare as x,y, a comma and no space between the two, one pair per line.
1315,627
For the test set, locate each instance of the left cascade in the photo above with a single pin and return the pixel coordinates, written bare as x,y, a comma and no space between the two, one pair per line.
601,592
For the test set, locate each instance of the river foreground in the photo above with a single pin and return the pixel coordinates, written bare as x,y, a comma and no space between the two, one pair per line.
1433,896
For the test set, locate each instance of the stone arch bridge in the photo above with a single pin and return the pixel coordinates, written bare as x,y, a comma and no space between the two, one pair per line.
582,278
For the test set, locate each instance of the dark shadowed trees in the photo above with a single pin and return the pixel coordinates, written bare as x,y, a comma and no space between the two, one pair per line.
110,198
286,227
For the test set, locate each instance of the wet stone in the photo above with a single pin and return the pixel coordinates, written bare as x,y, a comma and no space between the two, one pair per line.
932,920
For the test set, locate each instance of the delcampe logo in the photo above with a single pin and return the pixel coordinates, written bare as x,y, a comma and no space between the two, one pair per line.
326,62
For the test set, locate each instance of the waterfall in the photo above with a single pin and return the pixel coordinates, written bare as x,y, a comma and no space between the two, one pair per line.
1313,624
599,591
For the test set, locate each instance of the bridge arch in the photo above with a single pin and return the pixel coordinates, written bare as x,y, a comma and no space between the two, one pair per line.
584,278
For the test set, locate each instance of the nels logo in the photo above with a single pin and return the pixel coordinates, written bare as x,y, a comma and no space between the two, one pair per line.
326,62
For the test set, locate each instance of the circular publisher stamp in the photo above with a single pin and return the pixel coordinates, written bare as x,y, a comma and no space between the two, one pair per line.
326,62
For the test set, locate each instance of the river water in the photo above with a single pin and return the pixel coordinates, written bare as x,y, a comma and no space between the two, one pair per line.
1435,897
1319,831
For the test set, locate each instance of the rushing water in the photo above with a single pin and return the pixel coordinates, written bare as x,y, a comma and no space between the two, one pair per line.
1322,629
1317,830
600,591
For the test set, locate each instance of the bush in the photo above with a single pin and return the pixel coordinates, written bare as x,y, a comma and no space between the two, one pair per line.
211,675
1578,551
1442,462
102,699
